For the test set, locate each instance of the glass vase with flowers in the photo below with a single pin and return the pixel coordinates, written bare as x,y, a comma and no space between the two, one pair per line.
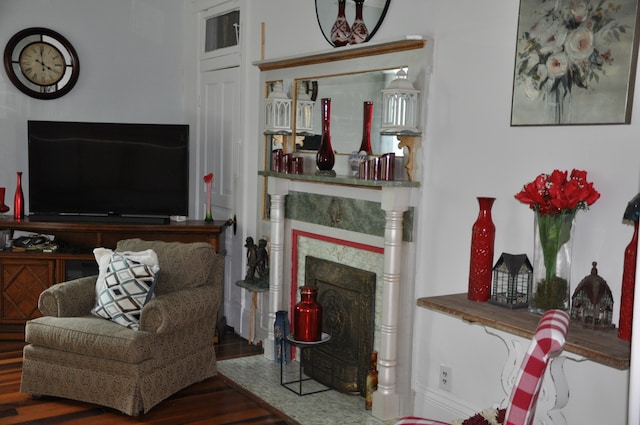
555,198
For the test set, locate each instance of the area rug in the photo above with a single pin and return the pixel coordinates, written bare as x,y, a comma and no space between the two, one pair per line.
261,377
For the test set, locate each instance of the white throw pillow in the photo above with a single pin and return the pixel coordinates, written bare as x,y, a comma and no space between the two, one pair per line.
126,282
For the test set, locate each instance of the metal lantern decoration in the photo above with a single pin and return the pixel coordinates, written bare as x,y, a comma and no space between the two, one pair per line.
592,302
512,278
399,106
277,111
304,109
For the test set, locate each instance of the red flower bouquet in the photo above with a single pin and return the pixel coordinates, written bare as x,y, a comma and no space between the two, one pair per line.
555,198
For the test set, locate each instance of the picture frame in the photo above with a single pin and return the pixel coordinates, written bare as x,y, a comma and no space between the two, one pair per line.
575,62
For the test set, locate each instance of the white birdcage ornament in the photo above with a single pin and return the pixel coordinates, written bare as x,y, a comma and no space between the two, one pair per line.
277,110
304,109
399,106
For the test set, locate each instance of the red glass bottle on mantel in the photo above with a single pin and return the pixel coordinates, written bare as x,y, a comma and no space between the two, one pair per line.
307,316
325,157
481,263
365,145
18,200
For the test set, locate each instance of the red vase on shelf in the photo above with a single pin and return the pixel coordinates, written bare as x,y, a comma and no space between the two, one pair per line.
359,31
18,200
365,145
307,316
3,207
326,158
340,31
481,263
628,286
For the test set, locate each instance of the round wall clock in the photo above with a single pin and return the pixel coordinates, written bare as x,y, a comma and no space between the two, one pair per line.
41,63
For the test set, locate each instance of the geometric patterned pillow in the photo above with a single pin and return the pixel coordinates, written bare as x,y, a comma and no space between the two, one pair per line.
126,282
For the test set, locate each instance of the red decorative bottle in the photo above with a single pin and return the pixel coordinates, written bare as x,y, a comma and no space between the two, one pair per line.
365,145
18,200
307,316
482,241
340,30
326,158
628,286
3,207
372,381
359,31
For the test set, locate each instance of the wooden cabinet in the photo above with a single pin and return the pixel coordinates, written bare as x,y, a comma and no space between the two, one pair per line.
24,275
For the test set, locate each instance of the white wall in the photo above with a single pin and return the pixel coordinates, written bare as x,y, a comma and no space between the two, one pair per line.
131,71
131,65
471,151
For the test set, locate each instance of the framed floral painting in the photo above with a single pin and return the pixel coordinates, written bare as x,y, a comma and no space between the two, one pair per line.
575,62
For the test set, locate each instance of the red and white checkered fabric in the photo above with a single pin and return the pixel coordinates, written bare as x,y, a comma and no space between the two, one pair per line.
548,340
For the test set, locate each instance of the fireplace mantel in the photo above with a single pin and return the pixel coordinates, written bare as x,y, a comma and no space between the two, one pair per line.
394,199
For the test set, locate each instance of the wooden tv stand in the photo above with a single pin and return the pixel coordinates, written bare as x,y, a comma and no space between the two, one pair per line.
24,275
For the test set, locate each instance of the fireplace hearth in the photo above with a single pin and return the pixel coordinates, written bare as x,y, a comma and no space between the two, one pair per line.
347,296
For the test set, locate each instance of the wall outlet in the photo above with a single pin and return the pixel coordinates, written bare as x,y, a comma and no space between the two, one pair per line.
445,380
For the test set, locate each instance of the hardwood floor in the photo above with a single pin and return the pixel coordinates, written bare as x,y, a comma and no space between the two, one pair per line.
213,401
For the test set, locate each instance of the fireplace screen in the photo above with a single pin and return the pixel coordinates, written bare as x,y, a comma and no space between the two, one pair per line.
347,297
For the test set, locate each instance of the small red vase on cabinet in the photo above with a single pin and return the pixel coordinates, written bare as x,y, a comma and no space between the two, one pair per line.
481,263
307,316
628,286
18,200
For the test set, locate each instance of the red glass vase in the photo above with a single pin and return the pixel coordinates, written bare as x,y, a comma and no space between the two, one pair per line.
365,145
307,316
325,158
3,207
18,200
340,30
481,263
628,286
359,31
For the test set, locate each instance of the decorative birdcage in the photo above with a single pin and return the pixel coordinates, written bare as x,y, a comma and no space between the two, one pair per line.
592,302
512,278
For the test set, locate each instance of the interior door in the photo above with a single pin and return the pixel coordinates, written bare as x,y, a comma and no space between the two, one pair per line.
219,129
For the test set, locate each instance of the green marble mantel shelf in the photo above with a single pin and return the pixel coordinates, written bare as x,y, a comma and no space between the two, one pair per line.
341,180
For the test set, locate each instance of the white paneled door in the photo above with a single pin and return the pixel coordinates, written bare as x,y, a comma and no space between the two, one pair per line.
219,131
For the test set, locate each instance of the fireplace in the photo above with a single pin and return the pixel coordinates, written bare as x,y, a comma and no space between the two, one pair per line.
347,296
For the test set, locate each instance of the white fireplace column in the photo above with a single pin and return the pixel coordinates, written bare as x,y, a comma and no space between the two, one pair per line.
386,401
278,189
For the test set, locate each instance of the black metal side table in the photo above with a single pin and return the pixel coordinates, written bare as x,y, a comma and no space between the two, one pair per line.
303,345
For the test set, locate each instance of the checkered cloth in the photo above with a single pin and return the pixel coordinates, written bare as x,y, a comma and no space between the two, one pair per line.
548,340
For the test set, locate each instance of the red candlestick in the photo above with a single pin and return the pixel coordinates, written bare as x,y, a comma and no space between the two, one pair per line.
628,286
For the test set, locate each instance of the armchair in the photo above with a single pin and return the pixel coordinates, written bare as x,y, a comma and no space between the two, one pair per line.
73,354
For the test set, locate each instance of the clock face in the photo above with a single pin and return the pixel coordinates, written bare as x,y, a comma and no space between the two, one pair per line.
41,63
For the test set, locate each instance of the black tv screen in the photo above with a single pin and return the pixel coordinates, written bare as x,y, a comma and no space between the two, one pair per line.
108,171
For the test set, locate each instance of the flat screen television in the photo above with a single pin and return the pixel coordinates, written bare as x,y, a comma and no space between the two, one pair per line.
111,172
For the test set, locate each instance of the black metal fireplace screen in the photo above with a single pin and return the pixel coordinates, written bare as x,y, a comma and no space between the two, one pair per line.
347,296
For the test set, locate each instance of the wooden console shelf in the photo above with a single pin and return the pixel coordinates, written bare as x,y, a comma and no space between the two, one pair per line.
599,346
23,275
